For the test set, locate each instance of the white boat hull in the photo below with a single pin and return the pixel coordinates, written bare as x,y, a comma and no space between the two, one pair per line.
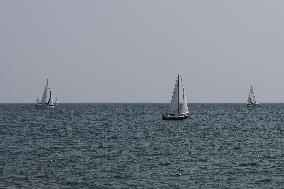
175,116
43,106
253,105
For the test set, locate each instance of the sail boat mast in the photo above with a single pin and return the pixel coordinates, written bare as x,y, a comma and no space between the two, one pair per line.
178,94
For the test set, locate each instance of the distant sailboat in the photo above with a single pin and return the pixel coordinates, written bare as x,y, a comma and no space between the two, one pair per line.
50,103
178,106
251,99
45,102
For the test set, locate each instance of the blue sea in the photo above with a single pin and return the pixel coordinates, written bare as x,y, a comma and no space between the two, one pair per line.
130,146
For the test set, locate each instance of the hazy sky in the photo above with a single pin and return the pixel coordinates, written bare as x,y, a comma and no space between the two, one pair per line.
131,51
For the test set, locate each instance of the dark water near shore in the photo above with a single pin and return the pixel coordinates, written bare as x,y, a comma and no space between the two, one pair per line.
129,146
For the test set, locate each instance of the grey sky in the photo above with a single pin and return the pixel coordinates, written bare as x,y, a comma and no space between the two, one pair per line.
131,51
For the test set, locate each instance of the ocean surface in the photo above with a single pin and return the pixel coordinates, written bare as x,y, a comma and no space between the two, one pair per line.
130,146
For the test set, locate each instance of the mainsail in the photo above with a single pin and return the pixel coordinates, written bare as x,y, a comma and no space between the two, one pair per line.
174,101
178,101
252,96
44,95
249,99
184,108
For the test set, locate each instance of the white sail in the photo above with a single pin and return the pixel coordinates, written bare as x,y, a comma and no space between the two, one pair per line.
174,100
184,108
178,101
44,95
50,102
249,99
252,96
178,106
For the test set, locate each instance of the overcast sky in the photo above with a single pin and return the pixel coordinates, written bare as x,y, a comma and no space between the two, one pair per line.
131,51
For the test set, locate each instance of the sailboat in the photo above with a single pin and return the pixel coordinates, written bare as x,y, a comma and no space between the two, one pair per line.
50,103
251,99
45,102
178,106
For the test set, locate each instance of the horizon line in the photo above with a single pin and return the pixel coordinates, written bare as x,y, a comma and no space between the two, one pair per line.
141,103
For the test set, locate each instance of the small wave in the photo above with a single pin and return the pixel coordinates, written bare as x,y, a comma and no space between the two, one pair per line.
263,181
251,164
164,163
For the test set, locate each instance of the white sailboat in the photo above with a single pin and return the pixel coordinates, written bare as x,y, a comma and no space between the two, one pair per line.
251,102
178,106
50,103
45,102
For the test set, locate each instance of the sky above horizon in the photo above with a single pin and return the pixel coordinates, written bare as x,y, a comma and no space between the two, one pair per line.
131,51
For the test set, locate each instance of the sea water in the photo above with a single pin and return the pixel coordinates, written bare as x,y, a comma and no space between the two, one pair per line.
130,146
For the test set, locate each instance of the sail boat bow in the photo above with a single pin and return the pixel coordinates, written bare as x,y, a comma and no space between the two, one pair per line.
178,106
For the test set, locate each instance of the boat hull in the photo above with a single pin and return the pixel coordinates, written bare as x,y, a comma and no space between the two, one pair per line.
175,117
44,106
50,106
253,105
38,106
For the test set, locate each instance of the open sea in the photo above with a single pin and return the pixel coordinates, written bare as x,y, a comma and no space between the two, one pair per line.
130,146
